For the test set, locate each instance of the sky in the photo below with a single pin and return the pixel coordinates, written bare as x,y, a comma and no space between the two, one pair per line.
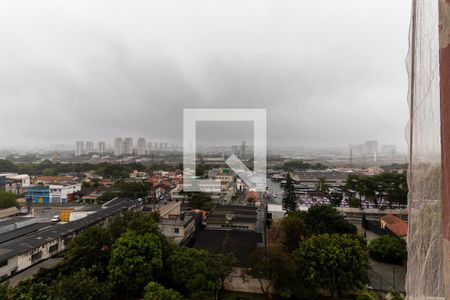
328,72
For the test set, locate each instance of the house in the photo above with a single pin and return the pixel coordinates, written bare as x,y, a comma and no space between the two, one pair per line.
233,217
175,224
395,225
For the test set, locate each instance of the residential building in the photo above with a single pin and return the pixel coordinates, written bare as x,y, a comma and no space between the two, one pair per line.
233,217
243,154
396,226
175,224
79,150
128,146
141,146
60,193
89,147
389,149
38,194
101,148
370,148
118,147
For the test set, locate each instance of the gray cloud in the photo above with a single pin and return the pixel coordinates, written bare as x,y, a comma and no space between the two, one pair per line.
328,72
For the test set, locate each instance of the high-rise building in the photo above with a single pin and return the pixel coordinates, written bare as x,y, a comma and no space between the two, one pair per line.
118,146
389,149
141,146
128,146
160,146
89,147
165,146
356,149
101,148
79,148
370,147
156,145
150,145
243,151
234,150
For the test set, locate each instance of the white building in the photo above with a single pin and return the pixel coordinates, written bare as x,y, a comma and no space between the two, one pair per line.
101,148
118,146
370,147
59,193
89,147
128,146
79,150
141,146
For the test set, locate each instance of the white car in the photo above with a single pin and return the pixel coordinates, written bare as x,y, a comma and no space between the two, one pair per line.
56,219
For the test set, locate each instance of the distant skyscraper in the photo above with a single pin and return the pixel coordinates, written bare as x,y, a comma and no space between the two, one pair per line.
79,148
243,151
118,146
370,147
128,146
150,145
89,147
165,146
389,149
234,150
160,146
357,149
101,148
141,146
156,145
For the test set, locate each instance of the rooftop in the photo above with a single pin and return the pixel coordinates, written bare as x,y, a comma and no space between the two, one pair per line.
241,243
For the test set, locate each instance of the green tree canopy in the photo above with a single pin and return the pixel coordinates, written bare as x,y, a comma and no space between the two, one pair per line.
326,219
90,249
289,200
8,200
293,231
388,249
7,166
193,271
335,262
155,291
79,285
135,261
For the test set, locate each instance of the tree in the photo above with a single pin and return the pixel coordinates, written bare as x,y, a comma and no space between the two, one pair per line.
90,249
326,219
7,166
200,200
8,200
322,187
367,295
289,199
29,290
4,290
335,262
293,231
135,261
48,172
336,198
193,271
133,190
274,269
79,285
154,291
223,264
139,222
388,249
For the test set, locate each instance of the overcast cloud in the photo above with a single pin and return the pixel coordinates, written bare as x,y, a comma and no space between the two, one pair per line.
328,72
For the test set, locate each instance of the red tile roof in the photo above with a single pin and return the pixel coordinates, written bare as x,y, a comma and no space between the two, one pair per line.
396,225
